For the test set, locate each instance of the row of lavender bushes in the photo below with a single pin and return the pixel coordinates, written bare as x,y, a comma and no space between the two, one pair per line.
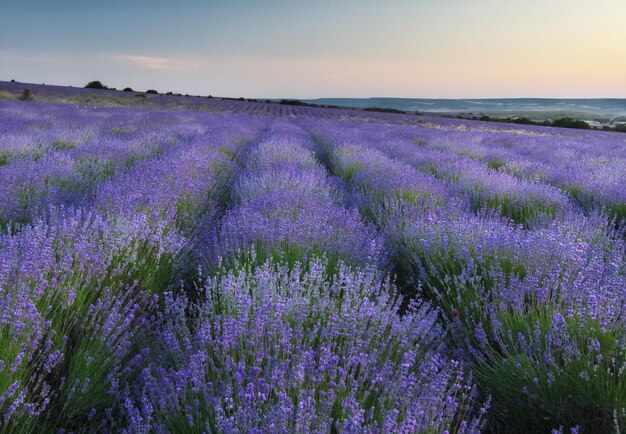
586,166
81,282
296,329
289,323
537,309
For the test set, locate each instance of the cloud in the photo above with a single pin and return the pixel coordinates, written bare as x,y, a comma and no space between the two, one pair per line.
158,63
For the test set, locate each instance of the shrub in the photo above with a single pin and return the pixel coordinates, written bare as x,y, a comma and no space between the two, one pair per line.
26,95
95,85
523,121
291,102
152,91
5,157
571,123
384,110
128,89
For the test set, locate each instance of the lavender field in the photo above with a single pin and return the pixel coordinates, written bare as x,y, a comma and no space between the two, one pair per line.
191,265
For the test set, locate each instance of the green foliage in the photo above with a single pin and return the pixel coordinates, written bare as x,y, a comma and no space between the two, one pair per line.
347,172
83,310
472,154
570,123
283,253
293,102
617,210
152,92
88,173
95,85
583,197
523,121
28,195
524,212
5,157
228,153
118,131
565,122
384,110
128,89
549,387
496,163
542,369
62,145
420,141
26,95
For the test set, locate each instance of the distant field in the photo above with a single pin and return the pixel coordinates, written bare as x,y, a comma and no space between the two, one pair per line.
191,264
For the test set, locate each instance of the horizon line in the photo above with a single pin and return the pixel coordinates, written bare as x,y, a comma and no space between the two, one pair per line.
347,97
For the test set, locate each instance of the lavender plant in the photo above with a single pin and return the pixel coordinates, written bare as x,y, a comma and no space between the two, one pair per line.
285,350
109,214
288,208
500,285
73,293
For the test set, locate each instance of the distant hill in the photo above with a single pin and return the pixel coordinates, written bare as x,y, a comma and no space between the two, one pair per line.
602,109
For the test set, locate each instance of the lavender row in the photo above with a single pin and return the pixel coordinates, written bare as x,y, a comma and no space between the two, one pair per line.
63,161
285,204
77,286
291,339
279,348
506,290
593,180
298,342
185,185
587,166
527,202
73,295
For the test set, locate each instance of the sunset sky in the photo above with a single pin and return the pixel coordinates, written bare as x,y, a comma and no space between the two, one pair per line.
322,48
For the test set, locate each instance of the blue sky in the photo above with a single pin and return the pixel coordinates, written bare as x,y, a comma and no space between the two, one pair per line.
322,48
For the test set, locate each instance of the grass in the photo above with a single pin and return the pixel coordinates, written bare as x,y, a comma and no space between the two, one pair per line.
62,145
496,163
285,253
524,211
5,157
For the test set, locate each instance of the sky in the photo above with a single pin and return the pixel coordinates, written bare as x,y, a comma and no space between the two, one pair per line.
322,48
